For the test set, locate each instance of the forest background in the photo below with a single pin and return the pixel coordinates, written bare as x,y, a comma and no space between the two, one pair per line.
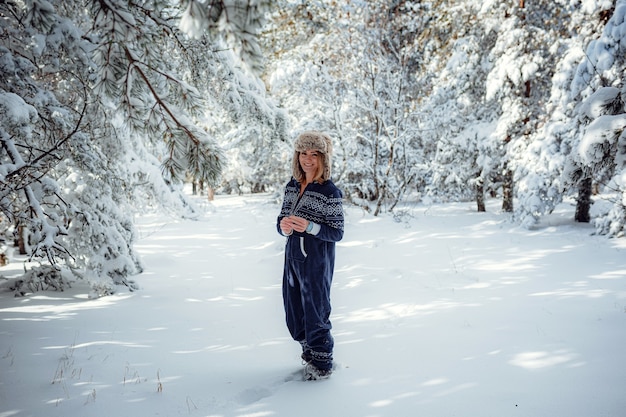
107,107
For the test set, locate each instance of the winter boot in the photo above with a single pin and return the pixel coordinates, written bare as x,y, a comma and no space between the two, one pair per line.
313,373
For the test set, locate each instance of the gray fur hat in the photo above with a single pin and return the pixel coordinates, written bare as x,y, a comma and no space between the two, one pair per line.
317,141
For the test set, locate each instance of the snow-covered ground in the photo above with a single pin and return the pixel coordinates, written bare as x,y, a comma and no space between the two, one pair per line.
447,312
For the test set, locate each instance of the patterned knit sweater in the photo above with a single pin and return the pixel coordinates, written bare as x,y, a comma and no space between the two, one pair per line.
320,203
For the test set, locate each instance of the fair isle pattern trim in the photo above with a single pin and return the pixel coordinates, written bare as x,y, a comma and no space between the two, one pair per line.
291,196
325,358
313,206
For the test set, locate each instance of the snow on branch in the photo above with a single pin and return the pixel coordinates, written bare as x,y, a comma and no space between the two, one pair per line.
600,137
237,21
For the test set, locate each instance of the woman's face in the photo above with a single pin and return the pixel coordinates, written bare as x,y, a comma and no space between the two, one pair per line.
310,162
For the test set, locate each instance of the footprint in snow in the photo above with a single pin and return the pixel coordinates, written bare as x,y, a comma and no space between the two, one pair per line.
254,394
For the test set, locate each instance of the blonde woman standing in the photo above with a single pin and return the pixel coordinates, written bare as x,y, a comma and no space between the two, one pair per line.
311,218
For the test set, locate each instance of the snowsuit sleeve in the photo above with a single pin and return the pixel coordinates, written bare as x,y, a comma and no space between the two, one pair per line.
332,227
289,200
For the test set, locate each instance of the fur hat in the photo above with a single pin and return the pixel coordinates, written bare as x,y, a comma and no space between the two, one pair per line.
316,141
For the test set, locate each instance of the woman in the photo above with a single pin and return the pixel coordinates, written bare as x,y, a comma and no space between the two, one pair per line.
312,219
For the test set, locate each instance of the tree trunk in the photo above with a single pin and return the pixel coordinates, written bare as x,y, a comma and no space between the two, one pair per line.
379,204
507,190
583,202
21,239
480,197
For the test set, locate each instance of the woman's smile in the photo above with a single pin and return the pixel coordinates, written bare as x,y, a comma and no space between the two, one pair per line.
309,161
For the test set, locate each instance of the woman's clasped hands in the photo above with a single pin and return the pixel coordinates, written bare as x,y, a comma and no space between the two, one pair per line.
291,223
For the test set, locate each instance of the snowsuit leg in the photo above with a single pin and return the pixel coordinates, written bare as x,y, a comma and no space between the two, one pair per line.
306,295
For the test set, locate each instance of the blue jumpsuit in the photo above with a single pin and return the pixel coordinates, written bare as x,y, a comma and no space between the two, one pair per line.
309,266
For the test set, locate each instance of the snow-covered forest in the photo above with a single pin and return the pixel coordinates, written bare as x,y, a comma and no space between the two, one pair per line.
108,107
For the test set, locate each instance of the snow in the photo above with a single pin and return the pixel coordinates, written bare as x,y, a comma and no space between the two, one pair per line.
447,312
601,133
595,106
590,6
601,53
14,110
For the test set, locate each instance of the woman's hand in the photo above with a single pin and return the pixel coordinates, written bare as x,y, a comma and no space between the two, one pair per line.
293,223
286,226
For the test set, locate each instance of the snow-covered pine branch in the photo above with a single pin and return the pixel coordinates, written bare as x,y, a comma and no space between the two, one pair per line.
112,104
239,22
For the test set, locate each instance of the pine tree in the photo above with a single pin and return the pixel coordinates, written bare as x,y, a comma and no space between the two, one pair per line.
540,186
101,114
598,153
457,123
519,82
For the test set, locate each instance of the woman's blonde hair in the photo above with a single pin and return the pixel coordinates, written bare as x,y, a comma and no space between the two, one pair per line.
316,141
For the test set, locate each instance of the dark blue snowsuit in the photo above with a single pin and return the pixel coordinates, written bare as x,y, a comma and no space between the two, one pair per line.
309,266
